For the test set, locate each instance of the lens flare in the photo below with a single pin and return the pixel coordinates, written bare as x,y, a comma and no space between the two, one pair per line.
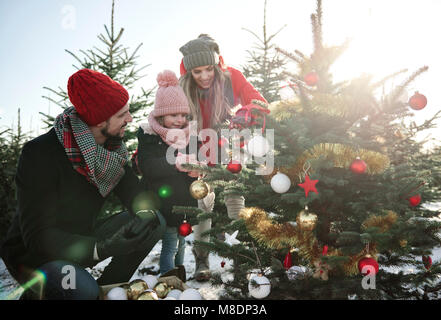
37,281
165,191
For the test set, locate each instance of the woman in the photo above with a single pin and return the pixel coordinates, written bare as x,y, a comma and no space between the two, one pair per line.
213,90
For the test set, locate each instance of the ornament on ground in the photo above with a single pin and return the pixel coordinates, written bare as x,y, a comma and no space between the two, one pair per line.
368,264
418,101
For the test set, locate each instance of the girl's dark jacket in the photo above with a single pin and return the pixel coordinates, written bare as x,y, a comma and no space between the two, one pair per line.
57,207
158,175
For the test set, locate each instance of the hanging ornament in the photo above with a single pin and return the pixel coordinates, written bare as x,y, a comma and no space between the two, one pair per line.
258,146
367,261
234,167
427,261
403,243
417,101
321,270
308,185
287,263
231,239
117,293
306,220
259,287
414,200
280,183
311,78
234,203
223,264
185,228
297,273
148,295
136,287
199,189
190,294
358,166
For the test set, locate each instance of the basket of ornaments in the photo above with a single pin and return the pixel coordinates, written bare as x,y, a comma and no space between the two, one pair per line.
150,287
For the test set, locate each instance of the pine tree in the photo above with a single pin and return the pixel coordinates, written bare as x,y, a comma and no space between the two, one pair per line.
362,210
119,64
264,64
11,140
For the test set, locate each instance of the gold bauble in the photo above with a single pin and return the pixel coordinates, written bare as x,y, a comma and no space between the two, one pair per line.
199,189
126,287
403,243
148,295
162,289
136,287
307,220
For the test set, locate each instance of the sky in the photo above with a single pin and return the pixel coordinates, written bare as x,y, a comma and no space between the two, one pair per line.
387,36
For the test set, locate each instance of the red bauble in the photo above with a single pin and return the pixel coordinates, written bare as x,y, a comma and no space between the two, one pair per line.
427,261
311,78
417,101
358,166
287,263
415,200
223,264
368,261
185,229
234,167
223,142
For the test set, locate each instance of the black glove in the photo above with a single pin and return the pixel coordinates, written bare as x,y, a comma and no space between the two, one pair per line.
127,238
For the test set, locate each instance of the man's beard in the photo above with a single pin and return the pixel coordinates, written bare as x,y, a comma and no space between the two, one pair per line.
111,138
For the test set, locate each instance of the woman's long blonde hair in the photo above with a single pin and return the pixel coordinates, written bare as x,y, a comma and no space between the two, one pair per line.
220,107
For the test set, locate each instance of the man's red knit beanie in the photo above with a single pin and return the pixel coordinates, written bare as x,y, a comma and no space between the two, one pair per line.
95,96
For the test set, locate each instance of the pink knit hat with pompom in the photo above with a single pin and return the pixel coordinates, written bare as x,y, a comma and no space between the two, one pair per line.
170,98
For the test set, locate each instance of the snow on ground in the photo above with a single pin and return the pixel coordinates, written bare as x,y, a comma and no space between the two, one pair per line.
9,288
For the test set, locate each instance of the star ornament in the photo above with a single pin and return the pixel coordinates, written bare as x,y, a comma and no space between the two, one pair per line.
231,239
309,185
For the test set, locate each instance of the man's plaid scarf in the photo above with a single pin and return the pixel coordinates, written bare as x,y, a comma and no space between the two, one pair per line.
103,166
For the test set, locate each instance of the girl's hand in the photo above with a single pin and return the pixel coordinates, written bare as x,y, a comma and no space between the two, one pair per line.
185,159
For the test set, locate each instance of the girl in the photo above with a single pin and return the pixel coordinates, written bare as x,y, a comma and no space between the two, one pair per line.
212,89
167,127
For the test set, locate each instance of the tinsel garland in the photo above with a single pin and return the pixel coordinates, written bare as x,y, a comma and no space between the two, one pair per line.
282,235
336,106
341,155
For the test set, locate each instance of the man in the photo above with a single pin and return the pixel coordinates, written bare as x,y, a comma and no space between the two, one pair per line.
63,179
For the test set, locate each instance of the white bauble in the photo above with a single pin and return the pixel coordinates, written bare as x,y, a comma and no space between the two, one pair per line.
175,294
262,289
280,183
169,298
117,293
258,146
190,294
151,280
296,273
286,93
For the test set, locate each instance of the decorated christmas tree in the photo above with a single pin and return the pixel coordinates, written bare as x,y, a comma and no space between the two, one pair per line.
344,212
